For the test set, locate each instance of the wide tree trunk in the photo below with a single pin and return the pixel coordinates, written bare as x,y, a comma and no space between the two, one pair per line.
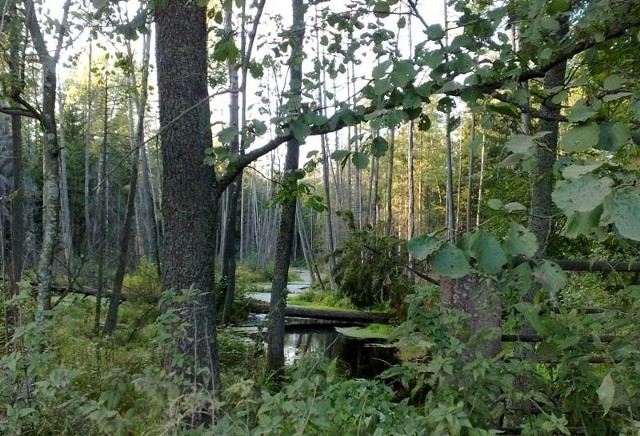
188,188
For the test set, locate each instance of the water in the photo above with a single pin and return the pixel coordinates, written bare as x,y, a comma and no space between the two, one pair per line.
363,358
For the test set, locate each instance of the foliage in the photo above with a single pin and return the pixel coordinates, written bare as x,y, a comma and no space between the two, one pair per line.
481,392
370,269
320,299
143,285
316,401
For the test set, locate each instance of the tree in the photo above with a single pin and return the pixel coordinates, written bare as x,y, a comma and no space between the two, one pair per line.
286,230
188,186
51,151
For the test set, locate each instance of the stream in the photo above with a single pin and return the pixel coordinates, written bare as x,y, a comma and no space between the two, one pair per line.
363,358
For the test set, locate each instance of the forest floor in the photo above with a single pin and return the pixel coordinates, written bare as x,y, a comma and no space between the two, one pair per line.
298,286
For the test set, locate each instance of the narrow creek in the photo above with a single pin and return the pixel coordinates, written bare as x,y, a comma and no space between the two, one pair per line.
363,358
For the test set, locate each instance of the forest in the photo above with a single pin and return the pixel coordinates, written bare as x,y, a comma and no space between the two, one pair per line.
320,217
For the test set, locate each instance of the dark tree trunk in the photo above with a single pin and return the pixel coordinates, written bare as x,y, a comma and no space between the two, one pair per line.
188,186
542,183
233,192
275,355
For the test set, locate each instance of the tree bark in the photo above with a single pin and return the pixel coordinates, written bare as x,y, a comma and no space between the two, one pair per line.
480,298
51,151
188,188
542,178
87,162
230,235
392,146
275,352
136,141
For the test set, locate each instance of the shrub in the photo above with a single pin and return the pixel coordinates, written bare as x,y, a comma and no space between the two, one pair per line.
370,268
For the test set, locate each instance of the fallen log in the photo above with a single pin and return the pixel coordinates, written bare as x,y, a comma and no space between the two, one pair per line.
106,293
331,315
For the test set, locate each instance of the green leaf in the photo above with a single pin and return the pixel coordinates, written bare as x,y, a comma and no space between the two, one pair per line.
487,251
402,23
299,129
259,127
381,9
420,247
403,73
380,70
227,134
450,261
580,113
98,4
505,109
558,6
626,212
514,206
520,241
360,160
580,138
577,170
583,223
613,136
546,54
495,204
339,154
424,123
550,276
583,194
613,82
379,146
519,278
435,32
606,393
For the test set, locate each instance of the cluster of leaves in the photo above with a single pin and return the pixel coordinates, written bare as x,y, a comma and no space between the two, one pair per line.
563,391
317,401
370,268
143,284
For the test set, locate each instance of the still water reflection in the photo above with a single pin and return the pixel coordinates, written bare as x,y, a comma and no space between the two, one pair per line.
364,358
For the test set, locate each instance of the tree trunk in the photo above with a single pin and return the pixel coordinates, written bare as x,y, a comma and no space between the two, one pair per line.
410,189
392,145
50,162
136,141
87,162
275,353
188,189
480,298
102,202
67,242
471,173
542,182
19,186
480,182
230,235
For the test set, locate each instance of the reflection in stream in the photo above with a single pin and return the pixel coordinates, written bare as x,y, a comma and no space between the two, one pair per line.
362,357
365,358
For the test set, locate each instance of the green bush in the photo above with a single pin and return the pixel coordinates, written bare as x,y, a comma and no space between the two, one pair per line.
370,268
143,285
